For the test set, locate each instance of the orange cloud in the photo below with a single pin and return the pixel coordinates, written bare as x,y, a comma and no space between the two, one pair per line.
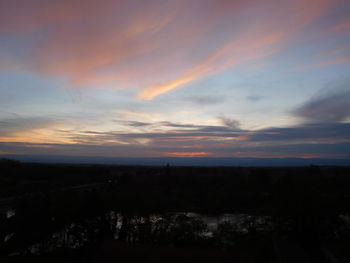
233,53
154,91
43,135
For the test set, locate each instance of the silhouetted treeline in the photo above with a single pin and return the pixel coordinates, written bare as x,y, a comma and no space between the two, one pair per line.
54,212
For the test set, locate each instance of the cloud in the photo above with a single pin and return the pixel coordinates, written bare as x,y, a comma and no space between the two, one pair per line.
238,51
154,139
175,135
342,26
327,62
232,124
206,100
9,126
157,46
314,132
134,123
254,98
179,125
187,135
327,142
30,129
330,107
254,43
229,126
332,61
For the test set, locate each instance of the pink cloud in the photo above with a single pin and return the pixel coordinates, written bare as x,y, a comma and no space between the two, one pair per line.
332,61
327,62
157,46
344,25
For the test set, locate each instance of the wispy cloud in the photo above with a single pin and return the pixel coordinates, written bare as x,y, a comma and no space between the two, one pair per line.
30,129
151,48
254,98
335,60
236,52
332,61
157,46
343,25
232,124
332,106
326,140
17,124
206,100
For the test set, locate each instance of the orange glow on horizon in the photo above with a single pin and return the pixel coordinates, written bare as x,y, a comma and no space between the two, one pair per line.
187,154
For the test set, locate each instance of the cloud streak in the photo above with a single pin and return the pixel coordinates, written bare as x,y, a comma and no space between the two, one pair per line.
326,140
330,107
235,52
9,126
156,46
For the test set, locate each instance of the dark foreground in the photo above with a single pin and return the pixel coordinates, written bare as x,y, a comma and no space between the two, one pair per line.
96,213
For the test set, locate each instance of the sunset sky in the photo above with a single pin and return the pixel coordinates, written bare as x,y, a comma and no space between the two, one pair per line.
175,78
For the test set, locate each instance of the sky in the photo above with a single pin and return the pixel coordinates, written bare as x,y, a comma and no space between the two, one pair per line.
175,78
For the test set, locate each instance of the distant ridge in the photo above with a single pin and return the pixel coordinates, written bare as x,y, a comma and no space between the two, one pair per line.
159,161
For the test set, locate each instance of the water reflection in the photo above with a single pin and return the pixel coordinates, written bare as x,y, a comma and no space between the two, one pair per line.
10,213
186,227
182,229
